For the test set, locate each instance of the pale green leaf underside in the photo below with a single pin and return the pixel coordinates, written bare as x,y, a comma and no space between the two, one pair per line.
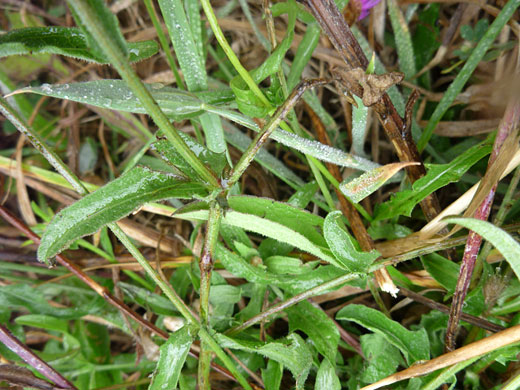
67,41
172,356
110,203
295,355
266,228
178,104
413,344
342,245
505,244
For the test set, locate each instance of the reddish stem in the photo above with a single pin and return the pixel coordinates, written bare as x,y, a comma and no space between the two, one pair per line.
507,125
32,359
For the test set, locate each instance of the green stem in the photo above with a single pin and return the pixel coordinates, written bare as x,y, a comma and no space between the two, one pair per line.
74,181
210,341
268,129
164,42
212,19
293,301
118,59
206,266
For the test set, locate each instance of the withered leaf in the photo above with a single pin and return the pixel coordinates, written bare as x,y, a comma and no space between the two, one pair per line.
374,85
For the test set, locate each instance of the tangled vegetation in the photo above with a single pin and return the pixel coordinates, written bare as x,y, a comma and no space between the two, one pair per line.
259,195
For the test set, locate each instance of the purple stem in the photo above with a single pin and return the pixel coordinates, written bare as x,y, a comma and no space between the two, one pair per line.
507,125
32,359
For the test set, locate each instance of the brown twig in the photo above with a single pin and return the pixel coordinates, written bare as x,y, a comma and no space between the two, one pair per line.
477,321
505,130
333,24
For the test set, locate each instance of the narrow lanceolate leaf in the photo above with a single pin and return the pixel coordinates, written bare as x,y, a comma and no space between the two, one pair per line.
327,379
505,244
267,228
184,35
437,177
116,95
172,356
66,41
178,104
403,40
216,161
359,127
342,245
318,326
106,21
361,187
111,203
413,344
293,355
467,70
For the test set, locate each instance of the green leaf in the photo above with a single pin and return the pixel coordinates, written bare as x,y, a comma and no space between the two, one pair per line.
318,326
178,104
359,127
293,354
43,322
437,177
216,161
413,344
248,102
110,203
66,41
382,358
272,375
106,21
444,271
326,379
267,228
500,239
343,246
22,296
225,294
301,221
147,299
116,95
359,188
172,356
293,283
474,59
287,265
403,40
193,64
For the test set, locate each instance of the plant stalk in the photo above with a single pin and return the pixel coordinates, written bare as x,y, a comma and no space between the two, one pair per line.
268,129
117,58
206,267
398,131
507,125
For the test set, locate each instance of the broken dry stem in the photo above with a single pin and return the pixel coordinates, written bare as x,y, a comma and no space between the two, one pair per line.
334,25
476,349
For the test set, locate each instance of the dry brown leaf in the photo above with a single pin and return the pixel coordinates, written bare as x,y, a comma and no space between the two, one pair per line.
478,348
